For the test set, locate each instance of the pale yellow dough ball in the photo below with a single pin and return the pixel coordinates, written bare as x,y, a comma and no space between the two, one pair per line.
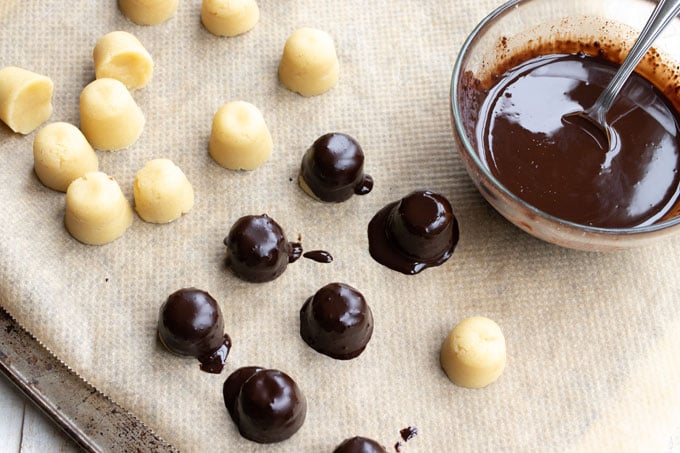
473,355
162,192
109,116
61,154
309,64
25,99
120,55
240,139
229,17
148,12
96,211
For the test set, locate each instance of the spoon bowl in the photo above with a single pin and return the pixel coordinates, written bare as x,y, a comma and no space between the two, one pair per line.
593,121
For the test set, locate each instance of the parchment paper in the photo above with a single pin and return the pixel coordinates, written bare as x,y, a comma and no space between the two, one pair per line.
592,338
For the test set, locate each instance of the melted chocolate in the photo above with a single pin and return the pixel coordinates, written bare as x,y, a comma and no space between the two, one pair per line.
558,167
266,405
336,321
359,444
333,168
320,256
414,233
190,323
408,433
257,249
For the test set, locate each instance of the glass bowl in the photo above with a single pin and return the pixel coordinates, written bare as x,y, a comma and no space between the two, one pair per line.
519,25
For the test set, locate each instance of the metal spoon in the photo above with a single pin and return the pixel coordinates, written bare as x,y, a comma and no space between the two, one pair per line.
595,123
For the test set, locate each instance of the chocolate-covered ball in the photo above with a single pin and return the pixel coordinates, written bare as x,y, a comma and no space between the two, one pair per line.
336,321
266,405
359,444
257,249
414,233
190,323
333,169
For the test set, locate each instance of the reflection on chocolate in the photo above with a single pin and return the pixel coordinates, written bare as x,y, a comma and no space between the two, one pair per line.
320,256
266,405
190,323
359,444
414,233
558,167
333,169
257,249
336,321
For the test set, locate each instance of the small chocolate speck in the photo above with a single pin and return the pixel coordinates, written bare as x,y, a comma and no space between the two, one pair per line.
397,447
408,433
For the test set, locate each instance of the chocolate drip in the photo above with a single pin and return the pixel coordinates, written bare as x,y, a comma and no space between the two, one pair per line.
408,433
214,361
320,256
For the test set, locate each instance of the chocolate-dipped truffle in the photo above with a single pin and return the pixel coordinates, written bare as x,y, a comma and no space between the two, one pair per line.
190,323
359,444
333,169
266,405
336,321
414,233
257,249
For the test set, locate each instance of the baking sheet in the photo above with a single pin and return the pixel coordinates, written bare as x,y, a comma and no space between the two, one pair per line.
591,337
92,420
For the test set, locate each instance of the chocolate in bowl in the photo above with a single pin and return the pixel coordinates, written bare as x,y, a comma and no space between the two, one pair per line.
521,31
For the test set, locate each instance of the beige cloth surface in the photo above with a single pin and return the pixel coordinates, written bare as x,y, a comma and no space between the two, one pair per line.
593,339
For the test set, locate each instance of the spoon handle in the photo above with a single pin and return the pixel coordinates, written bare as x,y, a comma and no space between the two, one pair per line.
664,11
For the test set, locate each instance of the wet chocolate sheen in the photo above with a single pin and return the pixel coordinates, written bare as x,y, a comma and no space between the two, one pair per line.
414,233
337,321
266,405
333,168
190,323
558,167
320,256
257,249
359,444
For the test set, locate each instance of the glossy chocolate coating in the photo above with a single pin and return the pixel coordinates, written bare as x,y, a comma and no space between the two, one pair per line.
359,444
320,256
336,321
257,249
333,168
190,323
557,166
414,233
266,405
